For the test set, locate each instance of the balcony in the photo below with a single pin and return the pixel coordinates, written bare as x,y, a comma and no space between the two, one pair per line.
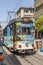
27,14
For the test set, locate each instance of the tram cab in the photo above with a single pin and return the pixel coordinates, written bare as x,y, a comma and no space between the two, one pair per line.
24,38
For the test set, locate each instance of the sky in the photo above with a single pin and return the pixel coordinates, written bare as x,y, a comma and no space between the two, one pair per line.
12,5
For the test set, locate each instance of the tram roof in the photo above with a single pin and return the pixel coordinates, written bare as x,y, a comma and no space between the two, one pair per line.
14,20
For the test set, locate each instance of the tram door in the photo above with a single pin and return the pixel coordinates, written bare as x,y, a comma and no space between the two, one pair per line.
38,44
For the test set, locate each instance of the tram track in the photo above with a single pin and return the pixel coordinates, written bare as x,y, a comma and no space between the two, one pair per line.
12,59
29,59
38,58
34,60
8,58
25,60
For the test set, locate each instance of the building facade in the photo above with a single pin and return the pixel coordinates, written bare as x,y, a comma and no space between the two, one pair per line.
25,12
38,8
38,4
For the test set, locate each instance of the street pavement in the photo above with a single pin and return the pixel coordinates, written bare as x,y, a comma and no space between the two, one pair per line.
41,53
14,59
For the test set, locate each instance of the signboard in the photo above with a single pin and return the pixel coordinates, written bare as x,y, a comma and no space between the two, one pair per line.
27,25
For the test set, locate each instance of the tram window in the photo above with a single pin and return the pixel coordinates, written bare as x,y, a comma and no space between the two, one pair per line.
28,30
25,31
18,30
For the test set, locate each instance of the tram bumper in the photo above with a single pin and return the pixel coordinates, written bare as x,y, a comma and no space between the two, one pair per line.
25,50
23,47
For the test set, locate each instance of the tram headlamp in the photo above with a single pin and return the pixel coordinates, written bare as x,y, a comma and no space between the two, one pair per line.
32,45
1,39
19,46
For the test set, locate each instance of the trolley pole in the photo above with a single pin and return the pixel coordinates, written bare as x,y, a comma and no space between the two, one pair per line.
10,15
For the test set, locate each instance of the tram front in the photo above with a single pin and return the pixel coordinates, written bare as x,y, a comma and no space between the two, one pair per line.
24,37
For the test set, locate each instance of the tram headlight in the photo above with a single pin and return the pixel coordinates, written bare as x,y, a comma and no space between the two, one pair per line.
19,46
32,45
1,39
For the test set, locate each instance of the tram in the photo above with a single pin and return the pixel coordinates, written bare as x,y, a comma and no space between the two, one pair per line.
19,35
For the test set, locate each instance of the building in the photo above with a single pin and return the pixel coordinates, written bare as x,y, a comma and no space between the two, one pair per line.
38,4
27,13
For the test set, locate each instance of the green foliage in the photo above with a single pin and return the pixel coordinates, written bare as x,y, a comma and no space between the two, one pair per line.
39,23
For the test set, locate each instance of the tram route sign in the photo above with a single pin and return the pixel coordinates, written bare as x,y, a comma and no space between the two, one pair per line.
18,24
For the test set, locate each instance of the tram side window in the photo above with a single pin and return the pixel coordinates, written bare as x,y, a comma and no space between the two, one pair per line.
18,30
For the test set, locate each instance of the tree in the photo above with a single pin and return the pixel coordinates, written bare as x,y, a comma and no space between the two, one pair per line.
39,23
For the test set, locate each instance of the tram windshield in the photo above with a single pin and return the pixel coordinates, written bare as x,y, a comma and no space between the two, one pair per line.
25,31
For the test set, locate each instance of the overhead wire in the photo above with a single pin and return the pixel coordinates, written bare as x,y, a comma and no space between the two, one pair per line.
10,12
13,11
17,5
